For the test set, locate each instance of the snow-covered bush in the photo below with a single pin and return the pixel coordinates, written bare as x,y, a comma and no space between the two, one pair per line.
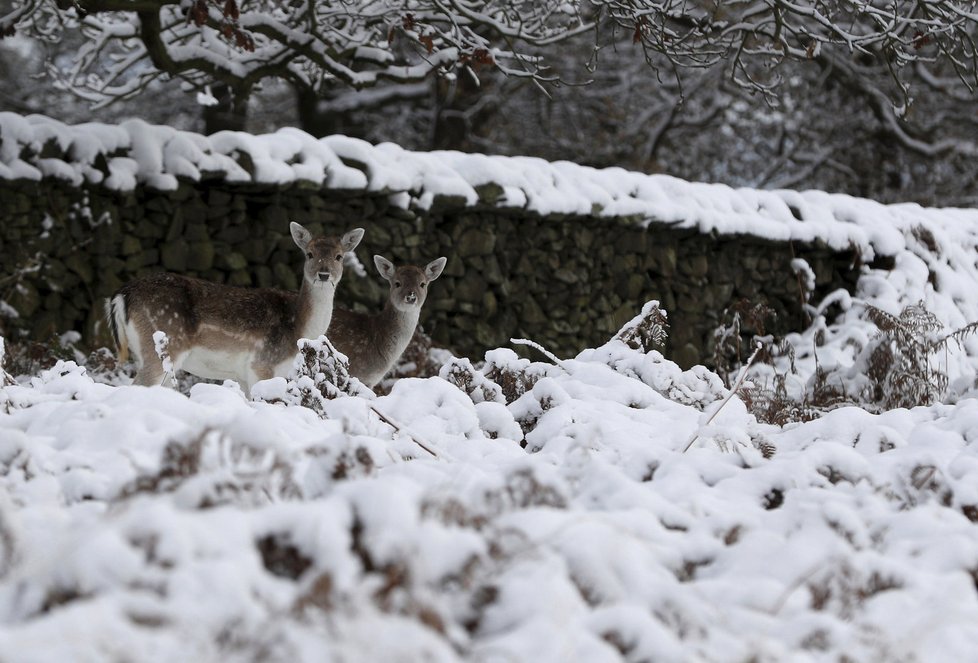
5,378
208,526
320,373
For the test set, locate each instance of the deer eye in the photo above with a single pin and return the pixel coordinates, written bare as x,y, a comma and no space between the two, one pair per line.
309,254
423,284
397,284
339,256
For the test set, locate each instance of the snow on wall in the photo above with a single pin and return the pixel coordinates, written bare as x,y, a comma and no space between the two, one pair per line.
122,157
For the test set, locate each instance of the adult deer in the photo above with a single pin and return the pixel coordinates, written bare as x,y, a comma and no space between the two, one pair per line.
222,332
374,342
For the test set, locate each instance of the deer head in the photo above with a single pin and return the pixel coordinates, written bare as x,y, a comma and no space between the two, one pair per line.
324,255
409,284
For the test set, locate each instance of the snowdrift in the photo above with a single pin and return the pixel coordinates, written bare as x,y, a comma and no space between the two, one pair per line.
558,519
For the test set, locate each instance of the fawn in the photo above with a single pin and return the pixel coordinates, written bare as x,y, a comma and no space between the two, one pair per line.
222,332
373,343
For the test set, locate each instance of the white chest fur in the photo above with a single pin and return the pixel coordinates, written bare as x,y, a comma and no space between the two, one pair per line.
319,311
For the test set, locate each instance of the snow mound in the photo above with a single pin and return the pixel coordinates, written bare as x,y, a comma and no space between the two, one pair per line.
557,519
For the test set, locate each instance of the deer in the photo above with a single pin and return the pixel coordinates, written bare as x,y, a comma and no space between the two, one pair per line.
222,332
374,342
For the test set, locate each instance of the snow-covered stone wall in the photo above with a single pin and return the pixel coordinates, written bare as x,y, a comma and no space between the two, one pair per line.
553,251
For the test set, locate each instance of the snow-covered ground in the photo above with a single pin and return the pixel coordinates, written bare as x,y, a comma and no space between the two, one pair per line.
542,512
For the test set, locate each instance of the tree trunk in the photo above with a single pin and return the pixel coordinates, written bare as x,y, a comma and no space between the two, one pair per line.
230,112
318,122
460,112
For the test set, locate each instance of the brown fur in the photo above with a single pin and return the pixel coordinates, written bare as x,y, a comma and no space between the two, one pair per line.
373,343
256,329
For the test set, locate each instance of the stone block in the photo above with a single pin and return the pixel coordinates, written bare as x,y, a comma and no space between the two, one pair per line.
567,275
475,242
174,255
81,265
286,275
218,198
687,356
697,265
275,216
177,225
200,256
530,312
469,289
232,261
196,232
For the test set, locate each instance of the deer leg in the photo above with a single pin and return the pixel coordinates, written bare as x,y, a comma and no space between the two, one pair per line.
256,373
151,371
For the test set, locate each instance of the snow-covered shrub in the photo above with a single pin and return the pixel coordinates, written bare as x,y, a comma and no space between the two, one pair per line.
217,467
902,365
900,361
514,375
730,350
320,373
463,375
5,378
647,330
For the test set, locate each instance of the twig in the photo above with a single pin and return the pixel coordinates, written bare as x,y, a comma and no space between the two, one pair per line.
400,429
533,344
794,586
733,390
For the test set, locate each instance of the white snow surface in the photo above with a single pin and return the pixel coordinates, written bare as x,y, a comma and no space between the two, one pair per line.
141,524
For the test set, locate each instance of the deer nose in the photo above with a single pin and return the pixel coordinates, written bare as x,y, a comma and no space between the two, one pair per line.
410,298
324,276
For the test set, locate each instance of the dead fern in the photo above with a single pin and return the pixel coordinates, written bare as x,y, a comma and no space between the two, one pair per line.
321,373
773,405
744,327
514,381
461,373
647,331
900,360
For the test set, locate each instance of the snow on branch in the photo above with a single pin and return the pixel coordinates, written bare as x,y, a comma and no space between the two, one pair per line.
312,45
359,43
752,37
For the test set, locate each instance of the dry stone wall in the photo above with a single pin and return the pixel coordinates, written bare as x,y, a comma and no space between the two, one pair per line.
568,282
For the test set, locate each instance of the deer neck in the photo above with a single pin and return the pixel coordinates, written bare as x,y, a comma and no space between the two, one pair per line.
396,327
315,310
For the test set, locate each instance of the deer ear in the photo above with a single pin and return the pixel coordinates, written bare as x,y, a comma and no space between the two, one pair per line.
434,268
350,240
385,267
300,235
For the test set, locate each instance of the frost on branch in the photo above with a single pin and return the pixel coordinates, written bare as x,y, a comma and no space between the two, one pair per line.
867,43
313,45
